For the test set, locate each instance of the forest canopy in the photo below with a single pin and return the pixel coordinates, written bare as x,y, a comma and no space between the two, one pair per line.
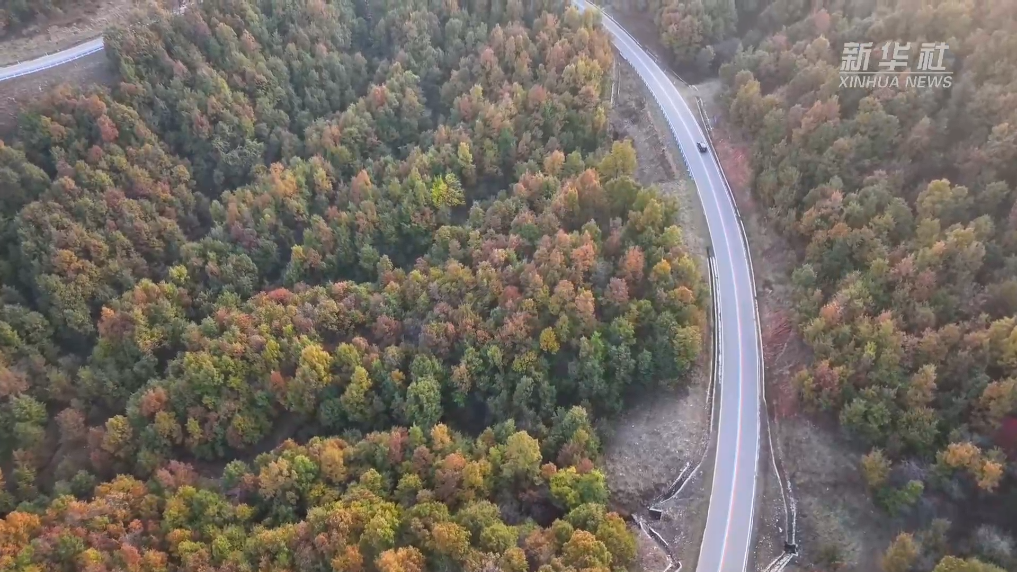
903,204
900,204
397,232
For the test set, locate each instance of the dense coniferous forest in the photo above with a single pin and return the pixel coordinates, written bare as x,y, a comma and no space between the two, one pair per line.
901,201
330,285
337,285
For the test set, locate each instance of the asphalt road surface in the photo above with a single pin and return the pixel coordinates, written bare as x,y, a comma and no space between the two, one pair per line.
52,60
727,542
60,58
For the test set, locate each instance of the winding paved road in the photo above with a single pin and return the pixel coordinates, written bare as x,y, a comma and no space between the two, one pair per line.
52,60
728,540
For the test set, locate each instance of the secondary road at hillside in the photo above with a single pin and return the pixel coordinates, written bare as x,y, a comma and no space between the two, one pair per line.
52,60
727,542
60,58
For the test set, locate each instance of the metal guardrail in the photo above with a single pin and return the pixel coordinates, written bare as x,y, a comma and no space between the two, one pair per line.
54,63
688,471
790,507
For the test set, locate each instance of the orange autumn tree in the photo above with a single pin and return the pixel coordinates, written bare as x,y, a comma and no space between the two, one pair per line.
329,503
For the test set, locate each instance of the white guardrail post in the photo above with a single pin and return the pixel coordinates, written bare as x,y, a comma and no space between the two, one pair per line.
790,508
55,63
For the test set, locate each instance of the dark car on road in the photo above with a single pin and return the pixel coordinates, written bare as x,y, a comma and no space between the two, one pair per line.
701,146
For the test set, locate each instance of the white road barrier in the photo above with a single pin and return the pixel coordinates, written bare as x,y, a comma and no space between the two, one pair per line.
728,539
51,60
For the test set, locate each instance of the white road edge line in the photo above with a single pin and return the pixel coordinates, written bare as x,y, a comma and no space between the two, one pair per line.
655,70
739,354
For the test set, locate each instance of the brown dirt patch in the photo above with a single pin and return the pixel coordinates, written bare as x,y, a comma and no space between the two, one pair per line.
649,556
639,24
641,27
684,520
636,116
837,520
15,93
84,22
630,119
660,433
652,442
